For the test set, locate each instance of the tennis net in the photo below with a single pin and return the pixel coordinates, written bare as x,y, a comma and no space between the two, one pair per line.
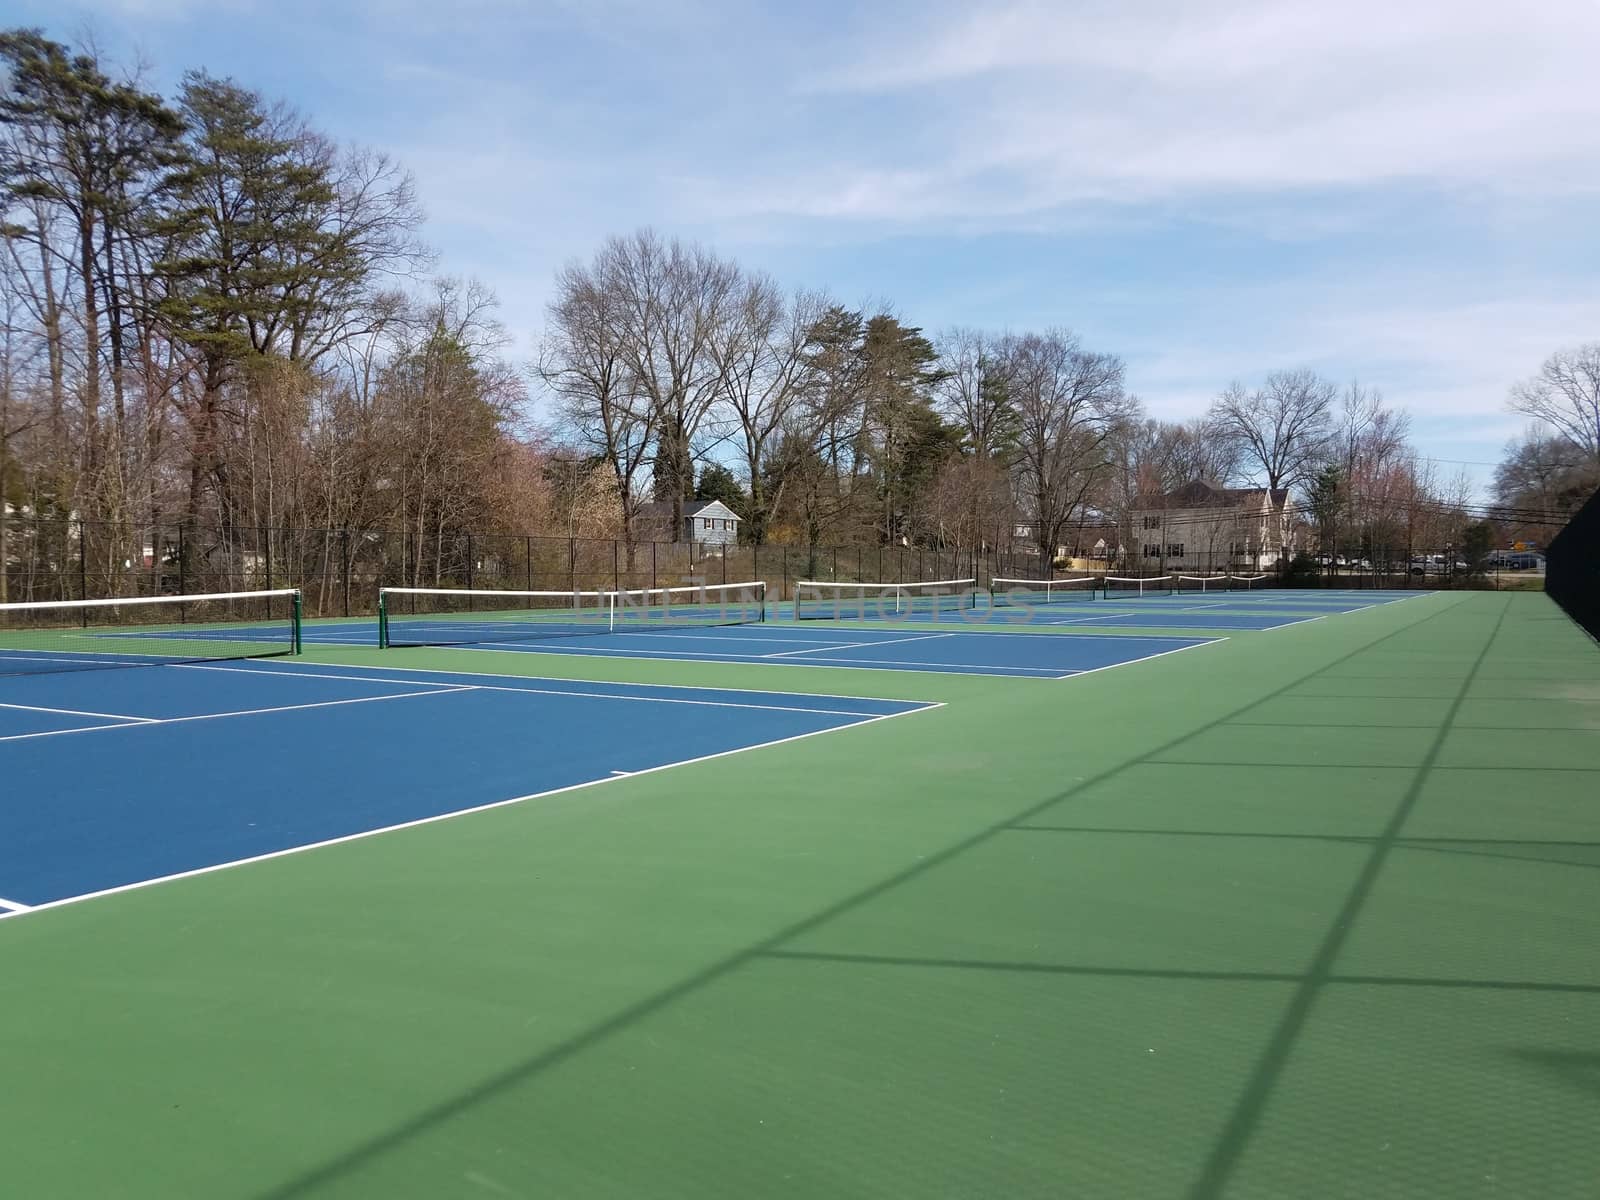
44,636
1202,583
815,601
1004,592
464,616
1144,585
1247,583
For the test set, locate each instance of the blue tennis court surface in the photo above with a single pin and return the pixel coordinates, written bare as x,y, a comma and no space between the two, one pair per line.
141,774
960,650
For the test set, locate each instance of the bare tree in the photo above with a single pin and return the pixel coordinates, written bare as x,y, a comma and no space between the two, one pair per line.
971,391
822,450
1368,433
1280,428
670,299
18,414
1565,395
971,394
1541,478
584,361
1068,403
763,376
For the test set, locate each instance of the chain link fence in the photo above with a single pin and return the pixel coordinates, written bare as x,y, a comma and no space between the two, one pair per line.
341,570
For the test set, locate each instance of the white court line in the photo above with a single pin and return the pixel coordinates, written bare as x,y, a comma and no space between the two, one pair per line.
1148,657
894,641
547,691
780,636
1122,616
147,722
293,669
697,637
1302,621
12,906
993,670
815,648
760,660
449,816
82,659
75,712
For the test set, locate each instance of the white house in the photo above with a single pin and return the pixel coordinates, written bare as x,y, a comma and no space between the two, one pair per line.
705,522
1204,527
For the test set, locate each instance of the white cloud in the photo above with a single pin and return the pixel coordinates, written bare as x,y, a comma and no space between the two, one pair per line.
1449,363
1044,104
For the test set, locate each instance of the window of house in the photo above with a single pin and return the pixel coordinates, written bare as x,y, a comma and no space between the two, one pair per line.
1175,550
705,522
1152,551
1152,522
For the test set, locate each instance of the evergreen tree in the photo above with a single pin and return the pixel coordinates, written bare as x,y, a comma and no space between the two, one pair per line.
719,483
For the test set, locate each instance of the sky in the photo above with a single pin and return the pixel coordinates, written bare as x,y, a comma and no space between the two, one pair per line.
1398,192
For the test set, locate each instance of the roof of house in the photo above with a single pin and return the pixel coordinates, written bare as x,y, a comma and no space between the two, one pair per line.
1200,493
691,508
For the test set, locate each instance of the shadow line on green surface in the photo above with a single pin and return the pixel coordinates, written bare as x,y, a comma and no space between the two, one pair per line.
1322,725
1348,766
1580,1070
1431,845
1246,1115
1402,844
1193,833
503,1081
1193,975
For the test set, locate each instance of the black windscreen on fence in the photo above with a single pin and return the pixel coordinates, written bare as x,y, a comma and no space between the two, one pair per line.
1572,567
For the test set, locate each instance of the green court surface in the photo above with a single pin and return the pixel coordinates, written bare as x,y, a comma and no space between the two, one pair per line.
1312,912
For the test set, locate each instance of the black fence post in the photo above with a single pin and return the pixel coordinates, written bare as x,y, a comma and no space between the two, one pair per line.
616,568
344,566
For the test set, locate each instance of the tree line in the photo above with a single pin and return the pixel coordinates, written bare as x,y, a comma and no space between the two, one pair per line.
679,373
212,317
215,319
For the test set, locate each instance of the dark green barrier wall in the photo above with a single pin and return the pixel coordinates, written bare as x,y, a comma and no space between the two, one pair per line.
1572,567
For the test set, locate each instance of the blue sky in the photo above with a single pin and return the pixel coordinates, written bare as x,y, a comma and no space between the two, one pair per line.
1400,193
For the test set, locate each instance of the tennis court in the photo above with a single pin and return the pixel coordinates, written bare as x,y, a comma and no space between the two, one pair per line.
1259,609
1308,912
961,650
204,731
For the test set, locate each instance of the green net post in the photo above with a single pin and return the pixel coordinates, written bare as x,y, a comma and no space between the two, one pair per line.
383,620
295,617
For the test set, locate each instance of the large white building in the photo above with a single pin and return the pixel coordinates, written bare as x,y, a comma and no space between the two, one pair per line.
1207,528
